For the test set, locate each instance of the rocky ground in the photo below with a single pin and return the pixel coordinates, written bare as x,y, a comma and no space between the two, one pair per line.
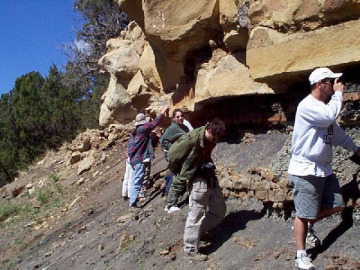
85,224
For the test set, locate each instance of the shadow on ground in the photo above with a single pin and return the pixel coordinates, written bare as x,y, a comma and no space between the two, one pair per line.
232,223
345,224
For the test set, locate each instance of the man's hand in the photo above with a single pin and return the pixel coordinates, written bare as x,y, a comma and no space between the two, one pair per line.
165,109
338,86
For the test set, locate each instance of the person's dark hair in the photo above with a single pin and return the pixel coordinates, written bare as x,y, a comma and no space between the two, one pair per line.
176,111
217,127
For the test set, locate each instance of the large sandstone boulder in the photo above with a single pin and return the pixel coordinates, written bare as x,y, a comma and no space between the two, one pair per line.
328,46
116,106
149,70
175,27
226,75
122,62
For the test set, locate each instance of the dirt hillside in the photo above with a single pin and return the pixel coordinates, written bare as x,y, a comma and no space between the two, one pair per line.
85,224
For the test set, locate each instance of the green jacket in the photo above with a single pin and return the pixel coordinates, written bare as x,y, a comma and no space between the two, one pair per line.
171,134
186,156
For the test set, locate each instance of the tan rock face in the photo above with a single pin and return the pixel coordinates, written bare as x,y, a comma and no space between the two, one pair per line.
177,27
197,52
293,15
122,62
226,75
329,46
149,70
115,101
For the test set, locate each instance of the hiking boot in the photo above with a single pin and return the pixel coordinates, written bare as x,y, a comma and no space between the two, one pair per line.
303,262
312,239
196,256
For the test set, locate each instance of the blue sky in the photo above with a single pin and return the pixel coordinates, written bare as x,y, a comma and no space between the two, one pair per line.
31,34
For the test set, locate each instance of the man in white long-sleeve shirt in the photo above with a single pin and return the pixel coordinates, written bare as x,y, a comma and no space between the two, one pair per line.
316,189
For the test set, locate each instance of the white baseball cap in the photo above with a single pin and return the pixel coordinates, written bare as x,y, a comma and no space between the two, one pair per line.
322,73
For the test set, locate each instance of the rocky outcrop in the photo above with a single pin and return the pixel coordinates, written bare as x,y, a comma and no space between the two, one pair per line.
177,43
257,168
195,53
87,151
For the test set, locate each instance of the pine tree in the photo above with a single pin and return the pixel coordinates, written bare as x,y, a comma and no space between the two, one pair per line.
7,145
61,107
26,108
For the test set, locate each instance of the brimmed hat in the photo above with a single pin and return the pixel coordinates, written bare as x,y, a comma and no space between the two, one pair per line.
140,119
322,73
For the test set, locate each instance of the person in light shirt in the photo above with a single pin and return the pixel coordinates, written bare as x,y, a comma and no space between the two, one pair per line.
317,192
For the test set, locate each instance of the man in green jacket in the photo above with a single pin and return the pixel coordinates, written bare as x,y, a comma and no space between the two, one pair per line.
190,161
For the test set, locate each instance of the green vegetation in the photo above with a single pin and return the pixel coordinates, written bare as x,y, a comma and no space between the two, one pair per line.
40,113
9,209
55,203
140,266
43,195
54,178
55,182
9,265
67,225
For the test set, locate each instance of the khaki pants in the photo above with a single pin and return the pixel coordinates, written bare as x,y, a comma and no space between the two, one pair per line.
206,210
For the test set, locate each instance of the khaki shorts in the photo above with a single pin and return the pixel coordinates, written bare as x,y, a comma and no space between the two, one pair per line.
312,193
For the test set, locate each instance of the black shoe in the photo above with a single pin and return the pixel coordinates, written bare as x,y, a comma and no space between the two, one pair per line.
125,198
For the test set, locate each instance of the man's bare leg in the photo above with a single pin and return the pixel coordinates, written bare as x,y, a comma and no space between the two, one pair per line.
300,231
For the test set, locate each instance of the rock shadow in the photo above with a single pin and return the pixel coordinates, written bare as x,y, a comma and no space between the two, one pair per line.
232,223
155,191
152,196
